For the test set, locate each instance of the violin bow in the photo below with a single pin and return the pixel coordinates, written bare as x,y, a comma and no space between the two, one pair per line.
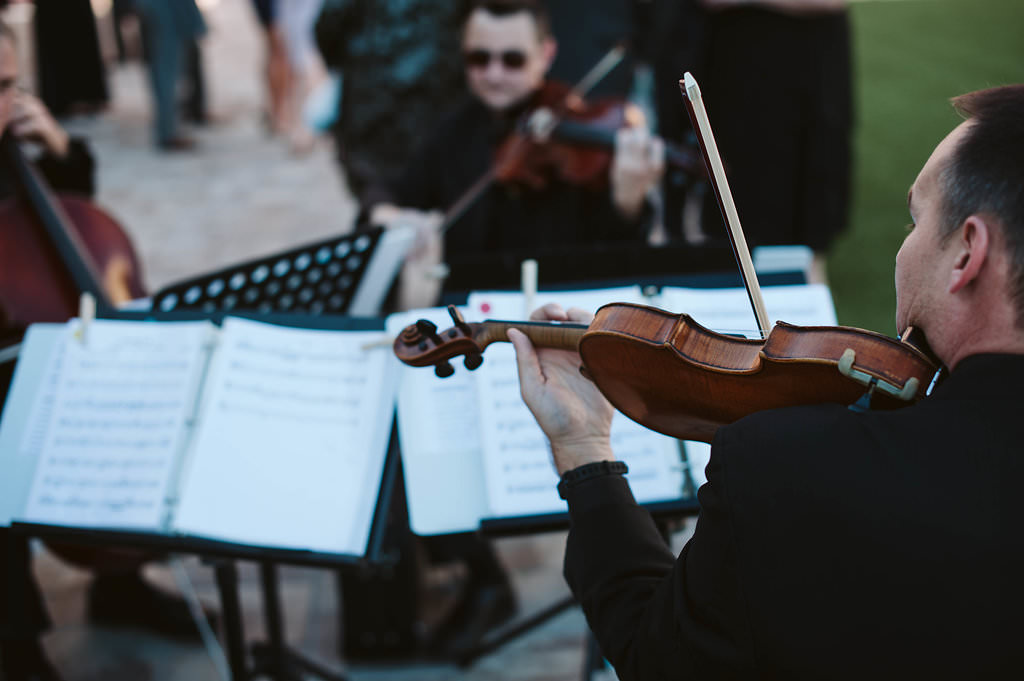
716,174
591,78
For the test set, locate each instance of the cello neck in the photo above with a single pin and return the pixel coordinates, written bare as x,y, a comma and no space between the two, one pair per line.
719,182
42,204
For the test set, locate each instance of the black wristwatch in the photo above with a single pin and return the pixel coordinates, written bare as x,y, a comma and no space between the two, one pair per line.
588,471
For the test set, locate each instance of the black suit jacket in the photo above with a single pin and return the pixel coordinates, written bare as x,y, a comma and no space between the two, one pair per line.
831,545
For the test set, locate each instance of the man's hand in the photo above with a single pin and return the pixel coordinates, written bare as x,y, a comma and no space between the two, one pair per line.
31,120
637,166
569,408
426,224
419,283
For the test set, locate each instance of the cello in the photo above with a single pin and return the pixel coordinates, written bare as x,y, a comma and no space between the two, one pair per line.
670,374
53,248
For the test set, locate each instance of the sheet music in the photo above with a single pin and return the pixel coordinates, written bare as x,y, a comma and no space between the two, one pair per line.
109,421
291,439
728,311
439,431
520,477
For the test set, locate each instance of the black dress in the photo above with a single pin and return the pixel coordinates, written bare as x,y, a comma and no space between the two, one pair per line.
69,63
778,94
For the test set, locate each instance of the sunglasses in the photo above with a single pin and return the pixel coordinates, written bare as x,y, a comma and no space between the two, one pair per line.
510,59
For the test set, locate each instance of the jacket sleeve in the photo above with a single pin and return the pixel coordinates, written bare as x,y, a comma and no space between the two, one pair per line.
75,172
656,616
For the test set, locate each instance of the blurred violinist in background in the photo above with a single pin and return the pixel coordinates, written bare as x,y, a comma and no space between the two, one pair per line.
528,197
536,200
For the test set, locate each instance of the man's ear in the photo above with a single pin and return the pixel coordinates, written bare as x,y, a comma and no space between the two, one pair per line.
972,243
550,51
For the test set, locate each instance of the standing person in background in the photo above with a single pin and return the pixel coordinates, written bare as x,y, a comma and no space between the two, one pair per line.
297,18
778,84
277,72
401,71
69,65
169,27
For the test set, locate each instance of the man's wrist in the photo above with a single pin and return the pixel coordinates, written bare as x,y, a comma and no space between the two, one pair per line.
579,453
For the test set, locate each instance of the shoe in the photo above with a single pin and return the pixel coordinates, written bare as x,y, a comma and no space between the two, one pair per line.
177,144
25,660
484,606
131,601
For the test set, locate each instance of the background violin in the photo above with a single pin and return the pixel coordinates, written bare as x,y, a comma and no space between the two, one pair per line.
570,139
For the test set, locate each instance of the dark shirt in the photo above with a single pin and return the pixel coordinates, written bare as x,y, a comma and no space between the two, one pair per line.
507,216
831,545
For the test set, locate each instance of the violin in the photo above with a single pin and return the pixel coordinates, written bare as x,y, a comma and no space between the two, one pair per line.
668,373
564,137
570,139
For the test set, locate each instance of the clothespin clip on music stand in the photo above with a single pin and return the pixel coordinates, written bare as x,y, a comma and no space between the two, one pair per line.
86,315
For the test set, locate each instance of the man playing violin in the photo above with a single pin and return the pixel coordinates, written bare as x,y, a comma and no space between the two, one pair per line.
507,49
833,542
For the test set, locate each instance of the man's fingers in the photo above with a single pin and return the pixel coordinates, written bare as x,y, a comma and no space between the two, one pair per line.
527,361
579,315
550,312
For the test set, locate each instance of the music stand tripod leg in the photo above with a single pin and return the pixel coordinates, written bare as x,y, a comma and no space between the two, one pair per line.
273,657
227,585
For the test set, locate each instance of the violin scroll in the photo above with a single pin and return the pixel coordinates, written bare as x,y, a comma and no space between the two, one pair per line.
421,344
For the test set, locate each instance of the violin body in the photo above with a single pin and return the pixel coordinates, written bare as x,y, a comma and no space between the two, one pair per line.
672,375
570,139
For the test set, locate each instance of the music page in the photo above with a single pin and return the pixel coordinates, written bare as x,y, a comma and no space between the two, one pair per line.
291,439
520,476
110,422
438,428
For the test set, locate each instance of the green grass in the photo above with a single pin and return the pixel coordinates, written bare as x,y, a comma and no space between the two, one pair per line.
910,57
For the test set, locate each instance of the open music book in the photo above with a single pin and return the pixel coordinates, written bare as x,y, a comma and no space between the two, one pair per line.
249,433
472,451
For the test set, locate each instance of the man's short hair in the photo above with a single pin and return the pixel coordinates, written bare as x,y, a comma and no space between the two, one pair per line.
502,8
985,174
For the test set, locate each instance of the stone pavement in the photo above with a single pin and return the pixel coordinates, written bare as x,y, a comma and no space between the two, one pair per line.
243,194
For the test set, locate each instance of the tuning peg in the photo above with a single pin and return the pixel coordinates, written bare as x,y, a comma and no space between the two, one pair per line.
473,360
458,320
444,369
428,329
